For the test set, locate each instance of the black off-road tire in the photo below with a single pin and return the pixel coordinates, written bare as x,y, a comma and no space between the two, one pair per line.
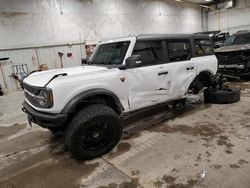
88,119
55,131
222,96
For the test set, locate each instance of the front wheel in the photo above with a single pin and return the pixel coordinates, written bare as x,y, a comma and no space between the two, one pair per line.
94,131
55,131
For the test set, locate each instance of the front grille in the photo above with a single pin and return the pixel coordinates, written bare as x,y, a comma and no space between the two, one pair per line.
30,98
29,91
31,94
230,58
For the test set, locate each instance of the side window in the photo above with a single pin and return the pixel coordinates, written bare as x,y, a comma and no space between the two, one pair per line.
150,52
179,51
203,47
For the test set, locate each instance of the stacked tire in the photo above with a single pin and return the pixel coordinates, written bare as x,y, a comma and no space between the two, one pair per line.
222,96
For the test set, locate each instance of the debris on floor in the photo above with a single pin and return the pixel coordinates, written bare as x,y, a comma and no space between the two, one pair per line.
196,145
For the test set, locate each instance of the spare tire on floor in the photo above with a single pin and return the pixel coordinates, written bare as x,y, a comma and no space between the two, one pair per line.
221,96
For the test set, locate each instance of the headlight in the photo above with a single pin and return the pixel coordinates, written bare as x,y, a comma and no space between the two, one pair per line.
44,99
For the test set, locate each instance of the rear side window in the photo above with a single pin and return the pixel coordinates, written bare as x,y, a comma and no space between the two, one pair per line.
150,52
179,51
203,47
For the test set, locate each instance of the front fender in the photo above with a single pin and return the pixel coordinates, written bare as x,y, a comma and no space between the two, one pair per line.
70,106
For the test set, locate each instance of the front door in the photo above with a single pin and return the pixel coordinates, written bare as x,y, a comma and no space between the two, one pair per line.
149,83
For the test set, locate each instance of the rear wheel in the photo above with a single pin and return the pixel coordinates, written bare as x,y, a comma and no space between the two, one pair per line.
222,96
196,86
94,131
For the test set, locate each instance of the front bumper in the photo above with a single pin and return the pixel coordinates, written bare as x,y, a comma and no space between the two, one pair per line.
45,120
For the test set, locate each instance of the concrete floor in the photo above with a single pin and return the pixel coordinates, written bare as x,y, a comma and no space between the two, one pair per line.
199,145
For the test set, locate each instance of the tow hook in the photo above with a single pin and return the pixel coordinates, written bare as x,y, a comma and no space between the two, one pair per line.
29,117
30,120
23,109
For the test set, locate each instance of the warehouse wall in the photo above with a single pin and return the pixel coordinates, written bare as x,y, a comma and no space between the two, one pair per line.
35,22
32,23
231,20
32,58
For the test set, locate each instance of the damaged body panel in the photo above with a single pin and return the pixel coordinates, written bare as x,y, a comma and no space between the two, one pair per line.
234,56
217,37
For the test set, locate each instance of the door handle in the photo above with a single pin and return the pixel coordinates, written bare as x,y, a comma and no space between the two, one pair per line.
162,73
190,68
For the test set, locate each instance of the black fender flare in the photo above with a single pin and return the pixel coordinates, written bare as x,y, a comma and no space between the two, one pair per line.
70,106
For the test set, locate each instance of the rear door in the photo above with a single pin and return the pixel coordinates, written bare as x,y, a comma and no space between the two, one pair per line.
181,68
204,55
149,83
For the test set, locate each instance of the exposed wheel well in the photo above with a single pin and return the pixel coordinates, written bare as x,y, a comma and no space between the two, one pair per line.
204,79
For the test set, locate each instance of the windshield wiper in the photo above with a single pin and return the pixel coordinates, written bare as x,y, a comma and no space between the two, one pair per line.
108,63
102,63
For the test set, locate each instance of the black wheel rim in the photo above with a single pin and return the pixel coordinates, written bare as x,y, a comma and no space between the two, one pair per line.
97,136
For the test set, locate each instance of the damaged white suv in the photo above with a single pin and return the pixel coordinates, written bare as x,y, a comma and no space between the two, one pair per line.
122,75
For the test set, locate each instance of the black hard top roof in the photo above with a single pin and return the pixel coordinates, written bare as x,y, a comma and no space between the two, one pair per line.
208,32
169,36
242,32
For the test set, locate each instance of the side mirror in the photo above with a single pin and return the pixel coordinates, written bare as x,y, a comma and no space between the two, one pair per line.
221,36
133,61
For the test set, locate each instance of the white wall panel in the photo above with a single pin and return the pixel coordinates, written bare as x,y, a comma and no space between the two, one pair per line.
231,20
40,22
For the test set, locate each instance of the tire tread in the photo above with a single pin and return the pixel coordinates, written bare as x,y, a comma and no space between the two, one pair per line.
82,117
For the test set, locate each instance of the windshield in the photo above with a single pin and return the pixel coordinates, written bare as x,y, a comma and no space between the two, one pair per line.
238,39
110,53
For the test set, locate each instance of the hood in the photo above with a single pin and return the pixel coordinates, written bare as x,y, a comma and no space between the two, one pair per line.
233,48
40,79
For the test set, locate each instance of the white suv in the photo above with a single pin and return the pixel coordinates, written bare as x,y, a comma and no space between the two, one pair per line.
121,76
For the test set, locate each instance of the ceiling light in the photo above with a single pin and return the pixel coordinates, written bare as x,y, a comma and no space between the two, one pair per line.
204,6
208,0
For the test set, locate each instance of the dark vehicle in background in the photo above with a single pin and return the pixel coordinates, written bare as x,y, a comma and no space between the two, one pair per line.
234,55
217,37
